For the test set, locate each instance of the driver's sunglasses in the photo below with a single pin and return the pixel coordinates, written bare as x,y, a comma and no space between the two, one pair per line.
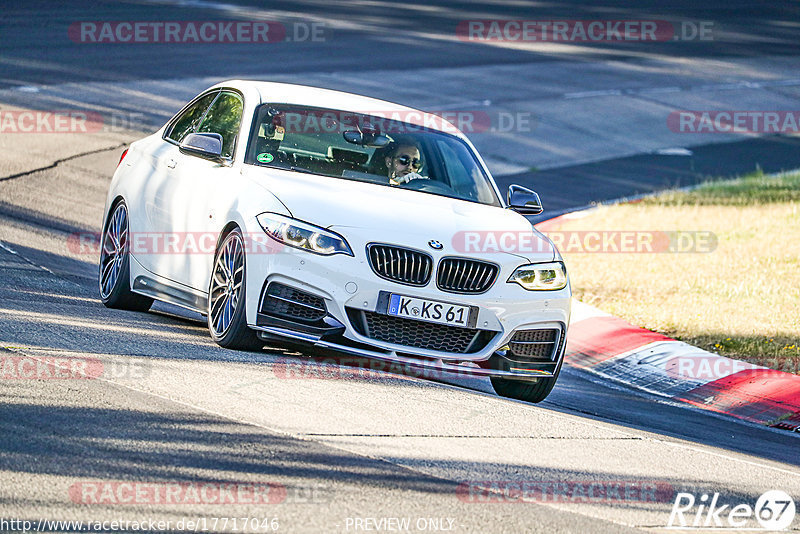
405,160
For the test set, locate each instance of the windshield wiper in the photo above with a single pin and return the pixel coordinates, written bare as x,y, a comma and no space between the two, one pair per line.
300,169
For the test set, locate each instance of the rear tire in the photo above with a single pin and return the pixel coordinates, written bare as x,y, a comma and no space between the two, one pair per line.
115,271
227,320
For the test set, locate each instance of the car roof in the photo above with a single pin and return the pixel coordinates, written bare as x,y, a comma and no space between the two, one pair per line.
305,95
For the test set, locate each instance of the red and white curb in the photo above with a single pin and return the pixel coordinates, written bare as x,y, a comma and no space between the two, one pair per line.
612,348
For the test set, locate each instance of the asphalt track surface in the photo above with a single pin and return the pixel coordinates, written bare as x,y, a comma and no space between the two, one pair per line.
173,407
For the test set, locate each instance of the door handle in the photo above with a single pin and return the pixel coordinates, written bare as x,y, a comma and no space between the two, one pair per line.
171,163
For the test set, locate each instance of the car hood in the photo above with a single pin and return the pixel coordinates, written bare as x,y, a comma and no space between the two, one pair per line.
411,218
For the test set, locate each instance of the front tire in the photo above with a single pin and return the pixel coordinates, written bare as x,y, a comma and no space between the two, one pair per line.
227,320
526,390
115,269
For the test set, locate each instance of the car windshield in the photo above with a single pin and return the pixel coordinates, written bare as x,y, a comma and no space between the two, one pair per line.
377,148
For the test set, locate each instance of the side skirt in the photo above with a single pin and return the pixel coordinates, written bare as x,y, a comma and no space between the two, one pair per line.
144,285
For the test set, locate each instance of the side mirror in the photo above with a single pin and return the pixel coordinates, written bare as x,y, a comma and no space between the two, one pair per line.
204,145
524,201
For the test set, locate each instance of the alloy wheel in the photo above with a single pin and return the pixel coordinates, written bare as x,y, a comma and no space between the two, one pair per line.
226,284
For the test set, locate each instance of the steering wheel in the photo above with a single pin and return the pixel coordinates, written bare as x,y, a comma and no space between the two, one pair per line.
429,186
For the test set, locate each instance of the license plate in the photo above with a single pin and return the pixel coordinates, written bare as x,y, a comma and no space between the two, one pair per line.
432,311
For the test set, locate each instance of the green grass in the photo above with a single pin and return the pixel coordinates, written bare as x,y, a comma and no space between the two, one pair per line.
753,189
742,300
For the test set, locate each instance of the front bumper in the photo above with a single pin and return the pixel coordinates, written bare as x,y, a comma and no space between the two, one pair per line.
503,311
347,285
496,366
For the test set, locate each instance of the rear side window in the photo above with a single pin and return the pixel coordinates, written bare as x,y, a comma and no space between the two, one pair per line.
224,117
190,118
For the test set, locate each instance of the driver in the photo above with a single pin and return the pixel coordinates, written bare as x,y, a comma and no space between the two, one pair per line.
403,162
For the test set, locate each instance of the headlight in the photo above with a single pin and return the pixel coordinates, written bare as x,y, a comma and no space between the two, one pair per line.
298,234
541,276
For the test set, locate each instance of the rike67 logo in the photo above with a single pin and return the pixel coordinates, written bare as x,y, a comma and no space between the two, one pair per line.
773,510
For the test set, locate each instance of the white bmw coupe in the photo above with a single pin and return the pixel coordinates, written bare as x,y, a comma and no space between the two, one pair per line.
294,214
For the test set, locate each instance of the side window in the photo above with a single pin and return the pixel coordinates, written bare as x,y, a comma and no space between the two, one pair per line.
224,117
189,119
